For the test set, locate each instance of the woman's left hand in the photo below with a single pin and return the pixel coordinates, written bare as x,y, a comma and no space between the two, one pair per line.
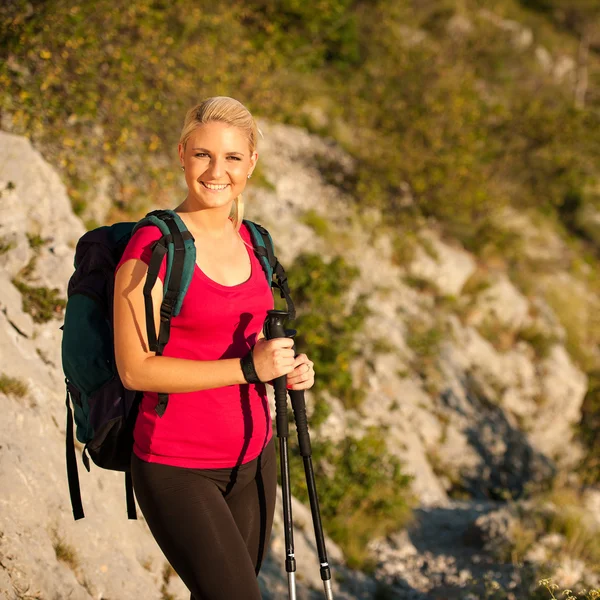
303,375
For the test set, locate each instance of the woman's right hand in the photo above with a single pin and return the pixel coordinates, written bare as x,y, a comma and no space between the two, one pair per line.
273,358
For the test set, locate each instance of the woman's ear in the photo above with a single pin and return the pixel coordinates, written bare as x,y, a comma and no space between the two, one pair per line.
181,152
253,161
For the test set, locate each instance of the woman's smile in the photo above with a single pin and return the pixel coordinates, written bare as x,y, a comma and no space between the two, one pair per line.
215,187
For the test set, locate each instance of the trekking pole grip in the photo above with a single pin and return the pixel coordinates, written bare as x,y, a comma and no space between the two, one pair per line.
299,406
274,328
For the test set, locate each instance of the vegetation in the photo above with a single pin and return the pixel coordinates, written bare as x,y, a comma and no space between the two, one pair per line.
589,431
167,573
327,323
12,386
64,552
425,340
363,492
444,124
6,245
42,303
316,222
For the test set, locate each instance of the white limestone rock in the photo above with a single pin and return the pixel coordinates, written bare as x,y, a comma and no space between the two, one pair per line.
501,303
447,267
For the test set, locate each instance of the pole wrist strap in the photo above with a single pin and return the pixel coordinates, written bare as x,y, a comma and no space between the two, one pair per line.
247,363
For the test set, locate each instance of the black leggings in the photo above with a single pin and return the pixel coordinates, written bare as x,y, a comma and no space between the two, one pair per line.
213,525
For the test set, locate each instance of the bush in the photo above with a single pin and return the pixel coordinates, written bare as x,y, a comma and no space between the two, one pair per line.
363,492
327,324
42,303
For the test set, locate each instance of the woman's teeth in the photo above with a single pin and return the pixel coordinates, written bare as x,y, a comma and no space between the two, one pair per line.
212,186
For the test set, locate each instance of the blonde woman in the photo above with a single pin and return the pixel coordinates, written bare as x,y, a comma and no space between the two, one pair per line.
204,473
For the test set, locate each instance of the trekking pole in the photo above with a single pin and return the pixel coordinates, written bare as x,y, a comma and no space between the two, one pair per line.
274,329
299,407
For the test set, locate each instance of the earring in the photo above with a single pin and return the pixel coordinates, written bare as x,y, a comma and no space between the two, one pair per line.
249,175
182,168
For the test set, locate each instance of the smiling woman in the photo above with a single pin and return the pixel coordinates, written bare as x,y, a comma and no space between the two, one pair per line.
204,471
217,160
217,151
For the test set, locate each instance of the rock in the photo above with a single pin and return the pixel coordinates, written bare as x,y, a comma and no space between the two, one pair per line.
522,37
564,67
563,388
588,219
501,303
459,26
544,58
447,267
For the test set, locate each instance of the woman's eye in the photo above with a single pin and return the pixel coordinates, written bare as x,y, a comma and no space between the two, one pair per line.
201,154
234,157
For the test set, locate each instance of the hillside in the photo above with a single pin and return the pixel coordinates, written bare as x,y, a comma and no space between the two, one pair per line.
429,172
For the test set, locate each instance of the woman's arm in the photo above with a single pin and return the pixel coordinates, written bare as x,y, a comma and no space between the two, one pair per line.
141,369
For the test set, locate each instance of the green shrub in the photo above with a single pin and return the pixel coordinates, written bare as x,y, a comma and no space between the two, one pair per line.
541,341
316,222
588,431
363,492
327,324
42,303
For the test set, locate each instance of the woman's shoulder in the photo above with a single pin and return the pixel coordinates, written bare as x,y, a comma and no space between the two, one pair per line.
140,244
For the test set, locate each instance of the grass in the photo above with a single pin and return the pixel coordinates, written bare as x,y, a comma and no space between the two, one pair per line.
64,552
42,303
167,573
11,386
316,222
425,340
579,317
559,510
6,246
541,341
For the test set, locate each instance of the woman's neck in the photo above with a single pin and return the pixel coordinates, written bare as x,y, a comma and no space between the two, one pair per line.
213,222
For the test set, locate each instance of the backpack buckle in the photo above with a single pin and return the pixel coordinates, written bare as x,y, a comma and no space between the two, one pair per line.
166,311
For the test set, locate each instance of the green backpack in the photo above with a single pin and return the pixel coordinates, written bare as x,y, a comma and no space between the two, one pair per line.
104,410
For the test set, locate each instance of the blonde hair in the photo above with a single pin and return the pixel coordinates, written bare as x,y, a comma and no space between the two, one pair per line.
226,110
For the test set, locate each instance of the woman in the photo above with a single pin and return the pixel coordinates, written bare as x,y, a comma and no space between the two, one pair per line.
204,473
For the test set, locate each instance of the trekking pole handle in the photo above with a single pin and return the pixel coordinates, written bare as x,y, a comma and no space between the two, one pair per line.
274,328
299,406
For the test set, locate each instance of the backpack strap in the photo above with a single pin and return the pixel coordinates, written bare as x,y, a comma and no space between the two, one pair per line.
72,473
177,243
265,252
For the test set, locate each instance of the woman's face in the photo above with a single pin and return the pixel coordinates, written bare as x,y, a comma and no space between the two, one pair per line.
217,161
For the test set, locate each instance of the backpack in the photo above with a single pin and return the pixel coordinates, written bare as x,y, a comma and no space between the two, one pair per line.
103,409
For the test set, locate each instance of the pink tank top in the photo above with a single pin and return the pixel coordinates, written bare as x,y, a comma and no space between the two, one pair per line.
221,427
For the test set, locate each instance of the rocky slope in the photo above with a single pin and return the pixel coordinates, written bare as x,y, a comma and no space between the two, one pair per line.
477,416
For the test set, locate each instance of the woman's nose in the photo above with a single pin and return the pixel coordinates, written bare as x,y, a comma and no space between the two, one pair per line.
216,168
